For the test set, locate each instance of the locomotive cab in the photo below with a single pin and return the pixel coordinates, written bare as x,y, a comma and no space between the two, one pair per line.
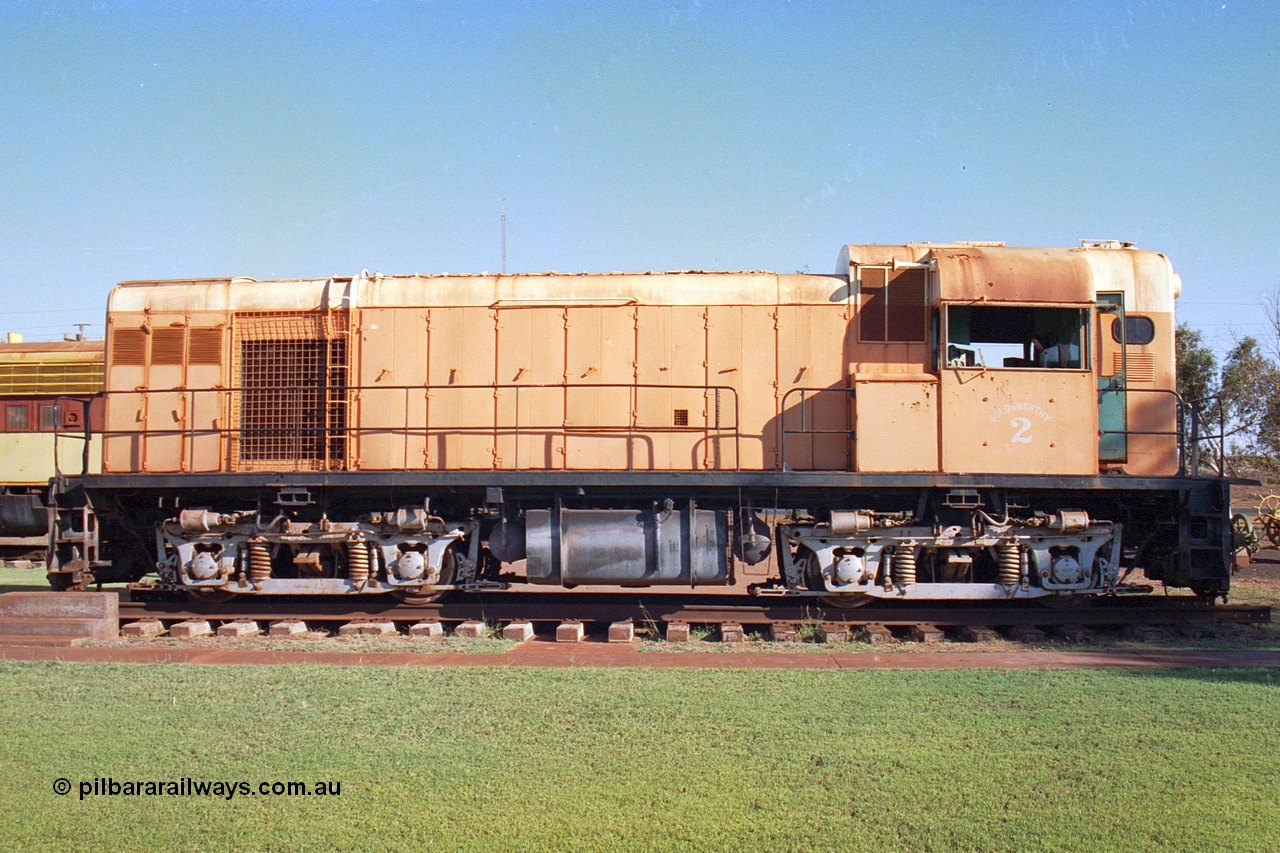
1046,365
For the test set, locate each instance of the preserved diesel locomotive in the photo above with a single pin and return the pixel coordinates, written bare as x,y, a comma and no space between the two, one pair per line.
931,422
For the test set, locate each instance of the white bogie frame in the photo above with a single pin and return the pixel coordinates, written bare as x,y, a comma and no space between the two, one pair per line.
1050,563
216,559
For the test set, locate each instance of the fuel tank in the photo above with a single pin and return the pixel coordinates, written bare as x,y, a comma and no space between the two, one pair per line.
658,546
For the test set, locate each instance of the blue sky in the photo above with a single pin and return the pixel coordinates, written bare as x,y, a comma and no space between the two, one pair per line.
289,138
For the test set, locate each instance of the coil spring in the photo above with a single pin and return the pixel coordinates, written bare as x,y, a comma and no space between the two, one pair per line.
259,563
1008,563
904,565
357,562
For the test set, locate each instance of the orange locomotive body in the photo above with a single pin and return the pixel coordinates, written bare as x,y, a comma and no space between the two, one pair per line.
967,421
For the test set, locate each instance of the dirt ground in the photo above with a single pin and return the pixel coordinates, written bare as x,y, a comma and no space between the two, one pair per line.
1263,566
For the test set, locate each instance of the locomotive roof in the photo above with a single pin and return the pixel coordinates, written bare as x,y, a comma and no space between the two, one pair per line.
966,272
479,289
437,275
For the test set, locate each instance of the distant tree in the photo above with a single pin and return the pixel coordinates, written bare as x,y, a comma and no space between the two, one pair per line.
1269,427
1250,381
1197,379
1243,398
1270,303
1269,431
1197,365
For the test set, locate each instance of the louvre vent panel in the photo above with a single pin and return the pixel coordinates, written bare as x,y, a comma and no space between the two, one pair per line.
167,345
1141,366
129,347
205,346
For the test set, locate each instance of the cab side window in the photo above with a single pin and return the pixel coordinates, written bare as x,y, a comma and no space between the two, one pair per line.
1014,336
1138,330
893,305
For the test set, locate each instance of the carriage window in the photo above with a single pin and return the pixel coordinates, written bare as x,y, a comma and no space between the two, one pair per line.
16,417
49,418
991,336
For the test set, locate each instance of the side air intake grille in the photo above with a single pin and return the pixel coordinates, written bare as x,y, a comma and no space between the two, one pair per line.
292,372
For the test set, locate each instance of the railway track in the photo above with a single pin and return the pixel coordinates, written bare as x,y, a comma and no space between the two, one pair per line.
662,612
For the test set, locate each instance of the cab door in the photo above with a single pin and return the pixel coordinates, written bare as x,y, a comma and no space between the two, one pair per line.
1113,443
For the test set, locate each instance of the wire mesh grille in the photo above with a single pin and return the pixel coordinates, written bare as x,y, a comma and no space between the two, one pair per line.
289,326
293,391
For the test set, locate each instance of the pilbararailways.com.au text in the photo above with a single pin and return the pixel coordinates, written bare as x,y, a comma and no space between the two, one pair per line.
188,787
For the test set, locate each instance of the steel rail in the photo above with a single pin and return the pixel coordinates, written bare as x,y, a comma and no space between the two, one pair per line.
709,610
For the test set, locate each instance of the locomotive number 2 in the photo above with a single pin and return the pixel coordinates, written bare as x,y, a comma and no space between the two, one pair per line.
1022,427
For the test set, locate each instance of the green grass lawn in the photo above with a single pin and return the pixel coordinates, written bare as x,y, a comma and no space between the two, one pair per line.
1251,591
490,760
18,580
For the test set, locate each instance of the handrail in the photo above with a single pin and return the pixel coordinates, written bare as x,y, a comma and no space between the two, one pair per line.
86,404
783,431
512,427
498,421
1197,406
1179,432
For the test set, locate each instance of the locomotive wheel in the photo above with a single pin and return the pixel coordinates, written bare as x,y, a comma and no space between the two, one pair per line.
61,581
416,597
419,596
812,575
1207,592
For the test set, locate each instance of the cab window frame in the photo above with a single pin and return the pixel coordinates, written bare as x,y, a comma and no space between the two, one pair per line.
1050,337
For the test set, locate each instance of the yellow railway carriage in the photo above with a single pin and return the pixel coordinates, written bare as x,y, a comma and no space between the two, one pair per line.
45,393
